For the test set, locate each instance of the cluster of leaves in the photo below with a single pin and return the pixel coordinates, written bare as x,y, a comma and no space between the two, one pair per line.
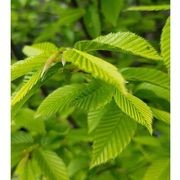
66,100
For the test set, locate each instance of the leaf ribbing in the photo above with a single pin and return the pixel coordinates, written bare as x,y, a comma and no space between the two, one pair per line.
21,138
147,75
97,67
26,88
47,76
135,108
112,135
22,67
94,117
120,41
94,95
59,100
51,164
165,44
84,96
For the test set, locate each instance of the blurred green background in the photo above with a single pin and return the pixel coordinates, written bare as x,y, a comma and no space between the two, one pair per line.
64,22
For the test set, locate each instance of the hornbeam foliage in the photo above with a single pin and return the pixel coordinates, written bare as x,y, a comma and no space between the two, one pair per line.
121,41
25,170
165,44
112,135
161,115
96,66
135,108
22,67
149,8
51,164
26,87
86,96
149,75
40,48
150,91
158,170
93,100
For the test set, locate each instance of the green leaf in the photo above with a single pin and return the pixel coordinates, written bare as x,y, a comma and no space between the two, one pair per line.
161,115
84,96
25,118
150,91
94,117
22,67
21,138
26,88
51,164
135,108
77,164
147,141
111,10
15,108
94,95
162,7
67,16
24,169
147,75
165,44
92,21
112,135
97,67
78,135
158,170
120,41
20,141
40,48
59,100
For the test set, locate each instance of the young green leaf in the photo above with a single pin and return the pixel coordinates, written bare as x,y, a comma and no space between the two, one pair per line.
15,108
111,14
158,170
121,41
25,118
94,117
92,21
150,91
26,88
112,135
135,108
40,48
59,100
85,96
51,164
165,44
161,115
162,7
21,138
29,64
97,67
67,17
146,75
24,169
96,94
